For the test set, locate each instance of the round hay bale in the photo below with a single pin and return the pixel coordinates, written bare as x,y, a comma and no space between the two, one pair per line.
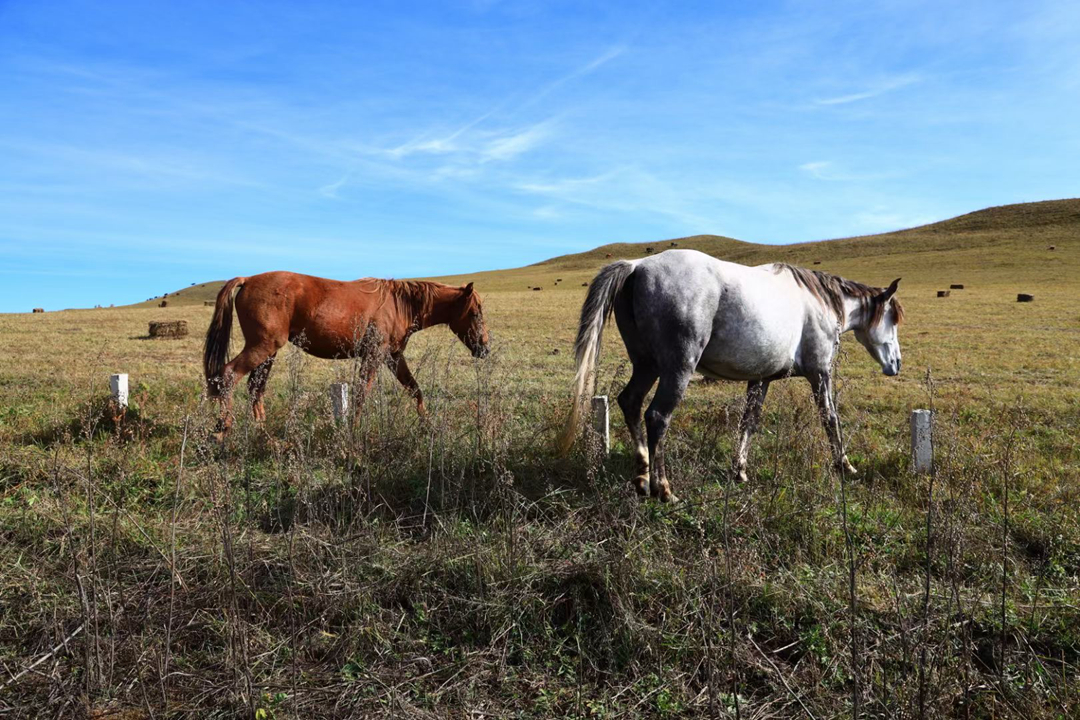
943,293
169,329
1024,297
956,286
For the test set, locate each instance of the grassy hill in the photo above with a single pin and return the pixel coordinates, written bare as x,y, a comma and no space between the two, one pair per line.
1007,244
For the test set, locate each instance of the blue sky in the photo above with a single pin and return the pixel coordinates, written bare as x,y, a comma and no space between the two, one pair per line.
145,146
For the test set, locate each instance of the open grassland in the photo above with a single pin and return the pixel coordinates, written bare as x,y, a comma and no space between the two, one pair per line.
387,567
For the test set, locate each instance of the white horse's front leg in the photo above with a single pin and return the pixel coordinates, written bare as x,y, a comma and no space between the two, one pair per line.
755,398
822,387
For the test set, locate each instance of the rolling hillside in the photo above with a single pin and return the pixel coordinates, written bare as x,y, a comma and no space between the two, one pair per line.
1000,245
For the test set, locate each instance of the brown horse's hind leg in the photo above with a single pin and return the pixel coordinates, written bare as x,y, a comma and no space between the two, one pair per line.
251,357
257,387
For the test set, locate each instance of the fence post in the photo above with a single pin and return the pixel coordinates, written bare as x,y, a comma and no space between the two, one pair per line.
339,398
119,385
922,448
601,422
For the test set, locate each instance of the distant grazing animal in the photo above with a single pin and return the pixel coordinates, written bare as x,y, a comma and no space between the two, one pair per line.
330,319
682,311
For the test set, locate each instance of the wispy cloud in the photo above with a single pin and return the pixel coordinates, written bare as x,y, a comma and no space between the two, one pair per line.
827,170
586,69
510,146
879,89
331,190
625,190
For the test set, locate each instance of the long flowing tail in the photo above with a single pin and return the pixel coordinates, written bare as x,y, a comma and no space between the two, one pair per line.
594,313
216,348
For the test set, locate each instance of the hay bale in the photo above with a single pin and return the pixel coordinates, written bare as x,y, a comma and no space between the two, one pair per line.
943,293
169,329
956,286
37,310
1024,297
164,303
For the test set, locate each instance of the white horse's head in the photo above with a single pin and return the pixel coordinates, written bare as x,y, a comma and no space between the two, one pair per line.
878,334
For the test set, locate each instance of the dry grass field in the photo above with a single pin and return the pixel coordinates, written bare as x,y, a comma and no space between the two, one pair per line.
457,569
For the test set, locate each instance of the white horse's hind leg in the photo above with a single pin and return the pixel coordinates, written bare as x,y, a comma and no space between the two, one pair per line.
755,398
631,399
657,419
822,387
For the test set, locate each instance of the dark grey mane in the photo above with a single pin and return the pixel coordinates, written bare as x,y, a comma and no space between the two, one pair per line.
830,290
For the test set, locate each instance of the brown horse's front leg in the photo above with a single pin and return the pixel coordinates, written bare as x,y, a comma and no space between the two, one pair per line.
405,377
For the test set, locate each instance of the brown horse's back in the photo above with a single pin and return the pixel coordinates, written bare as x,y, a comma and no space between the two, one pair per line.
323,316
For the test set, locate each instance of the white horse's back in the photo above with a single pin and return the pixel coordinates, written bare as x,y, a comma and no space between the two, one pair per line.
753,317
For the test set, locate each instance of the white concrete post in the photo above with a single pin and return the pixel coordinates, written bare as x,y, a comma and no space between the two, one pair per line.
339,398
119,385
922,449
601,421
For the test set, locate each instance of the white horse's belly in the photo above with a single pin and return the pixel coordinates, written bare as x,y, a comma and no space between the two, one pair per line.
732,359
757,329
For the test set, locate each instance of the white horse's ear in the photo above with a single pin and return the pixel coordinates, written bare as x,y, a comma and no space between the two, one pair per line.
891,290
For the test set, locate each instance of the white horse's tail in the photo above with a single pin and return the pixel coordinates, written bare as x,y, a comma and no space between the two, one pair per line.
594,313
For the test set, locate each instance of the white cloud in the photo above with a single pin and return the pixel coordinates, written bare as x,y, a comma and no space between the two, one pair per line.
879,89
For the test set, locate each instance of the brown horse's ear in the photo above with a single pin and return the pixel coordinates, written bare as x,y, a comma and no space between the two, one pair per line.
890,291
468,289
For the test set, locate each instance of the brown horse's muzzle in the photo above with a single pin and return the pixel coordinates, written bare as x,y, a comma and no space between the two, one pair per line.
481,351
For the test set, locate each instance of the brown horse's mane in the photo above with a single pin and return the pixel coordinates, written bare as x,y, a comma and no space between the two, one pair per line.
830,290
417,296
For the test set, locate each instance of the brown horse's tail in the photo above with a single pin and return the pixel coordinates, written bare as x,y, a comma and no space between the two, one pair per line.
216,348
594,313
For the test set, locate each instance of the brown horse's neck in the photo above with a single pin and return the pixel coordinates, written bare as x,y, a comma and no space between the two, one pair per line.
426,303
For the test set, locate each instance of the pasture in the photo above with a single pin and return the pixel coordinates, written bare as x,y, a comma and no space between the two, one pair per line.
391,568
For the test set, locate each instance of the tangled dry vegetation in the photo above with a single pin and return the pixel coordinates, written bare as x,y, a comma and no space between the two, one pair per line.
386,567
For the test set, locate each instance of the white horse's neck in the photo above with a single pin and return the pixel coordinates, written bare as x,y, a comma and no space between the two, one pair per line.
854,314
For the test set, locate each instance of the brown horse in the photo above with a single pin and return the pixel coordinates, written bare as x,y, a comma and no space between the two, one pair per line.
328,319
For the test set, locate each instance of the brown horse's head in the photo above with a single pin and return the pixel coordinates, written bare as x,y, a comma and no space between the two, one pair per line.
467,322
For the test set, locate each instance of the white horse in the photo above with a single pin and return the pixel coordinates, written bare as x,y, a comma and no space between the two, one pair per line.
683,310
